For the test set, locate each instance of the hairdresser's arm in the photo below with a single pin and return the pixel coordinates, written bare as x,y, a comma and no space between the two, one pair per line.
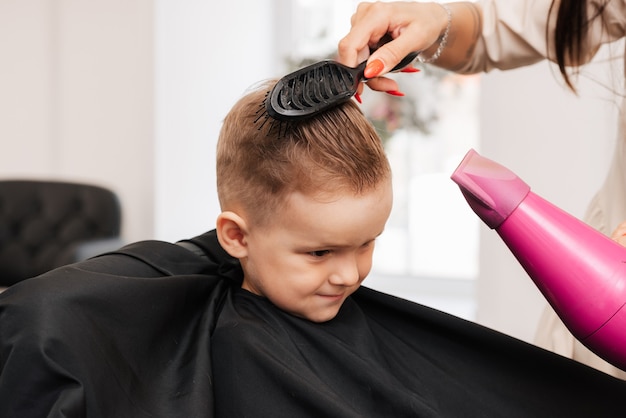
414,27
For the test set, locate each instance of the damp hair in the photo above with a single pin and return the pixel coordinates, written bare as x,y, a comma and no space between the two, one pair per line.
260,162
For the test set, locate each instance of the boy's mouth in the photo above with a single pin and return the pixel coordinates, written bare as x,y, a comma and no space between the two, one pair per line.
332,296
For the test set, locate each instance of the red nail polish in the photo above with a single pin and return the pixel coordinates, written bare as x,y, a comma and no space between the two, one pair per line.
373,68
410,70
357,96
395,93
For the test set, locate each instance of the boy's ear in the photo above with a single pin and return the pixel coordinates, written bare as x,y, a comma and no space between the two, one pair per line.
231,233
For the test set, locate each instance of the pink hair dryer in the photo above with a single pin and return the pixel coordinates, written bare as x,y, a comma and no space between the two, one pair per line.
581,272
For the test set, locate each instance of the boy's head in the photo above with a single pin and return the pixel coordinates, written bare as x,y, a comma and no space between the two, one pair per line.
301,203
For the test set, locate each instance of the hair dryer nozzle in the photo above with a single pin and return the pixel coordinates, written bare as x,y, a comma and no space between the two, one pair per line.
491,190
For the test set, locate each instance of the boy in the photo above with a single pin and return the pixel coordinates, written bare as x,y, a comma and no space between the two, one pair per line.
272,322
302,206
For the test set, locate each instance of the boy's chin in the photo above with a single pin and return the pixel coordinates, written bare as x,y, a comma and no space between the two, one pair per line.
318,317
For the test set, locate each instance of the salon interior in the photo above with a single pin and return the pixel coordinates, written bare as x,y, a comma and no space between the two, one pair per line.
130,95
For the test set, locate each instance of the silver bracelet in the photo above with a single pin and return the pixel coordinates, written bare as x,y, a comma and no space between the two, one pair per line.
443,39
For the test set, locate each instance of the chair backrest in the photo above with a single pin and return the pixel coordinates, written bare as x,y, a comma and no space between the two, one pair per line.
42,222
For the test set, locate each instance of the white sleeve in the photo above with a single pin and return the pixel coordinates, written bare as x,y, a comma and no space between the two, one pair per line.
514,32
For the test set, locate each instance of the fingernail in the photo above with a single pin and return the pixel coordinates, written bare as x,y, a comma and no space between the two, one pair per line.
357,96
410,70
373,68
394,93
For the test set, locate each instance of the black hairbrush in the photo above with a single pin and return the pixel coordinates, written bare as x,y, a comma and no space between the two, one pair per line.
316,88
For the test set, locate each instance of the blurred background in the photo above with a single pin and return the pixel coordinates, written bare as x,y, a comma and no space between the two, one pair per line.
130,95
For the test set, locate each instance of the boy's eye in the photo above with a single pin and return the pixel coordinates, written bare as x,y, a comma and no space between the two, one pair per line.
367,245
319,253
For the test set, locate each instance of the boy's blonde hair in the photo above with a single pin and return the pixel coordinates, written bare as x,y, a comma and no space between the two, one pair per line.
259,164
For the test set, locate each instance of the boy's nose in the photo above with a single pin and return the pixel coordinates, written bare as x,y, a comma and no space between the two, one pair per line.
345,273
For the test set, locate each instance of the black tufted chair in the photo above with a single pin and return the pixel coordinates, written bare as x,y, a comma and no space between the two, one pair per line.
47,224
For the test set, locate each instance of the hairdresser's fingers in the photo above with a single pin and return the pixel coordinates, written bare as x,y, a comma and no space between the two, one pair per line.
383,84
409,35
359,89
368,26
619,234
387,56
414,26
370,23
410,69
619,230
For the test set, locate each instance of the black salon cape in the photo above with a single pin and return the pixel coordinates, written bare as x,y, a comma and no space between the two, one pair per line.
152,331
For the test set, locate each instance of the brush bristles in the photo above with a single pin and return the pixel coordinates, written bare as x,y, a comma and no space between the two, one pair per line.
263,118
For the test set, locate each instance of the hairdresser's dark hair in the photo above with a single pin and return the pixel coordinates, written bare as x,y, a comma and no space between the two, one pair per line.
572,27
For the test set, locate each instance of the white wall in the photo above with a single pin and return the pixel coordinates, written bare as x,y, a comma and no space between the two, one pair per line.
129,94
76,97
207,54
25,118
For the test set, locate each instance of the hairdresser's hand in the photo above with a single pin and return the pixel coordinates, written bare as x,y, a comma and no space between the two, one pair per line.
413,26
619,235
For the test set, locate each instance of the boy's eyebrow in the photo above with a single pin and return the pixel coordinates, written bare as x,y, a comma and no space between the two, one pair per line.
328,245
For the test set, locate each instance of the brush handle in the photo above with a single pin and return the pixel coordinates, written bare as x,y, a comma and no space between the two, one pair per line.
405,61
359,70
